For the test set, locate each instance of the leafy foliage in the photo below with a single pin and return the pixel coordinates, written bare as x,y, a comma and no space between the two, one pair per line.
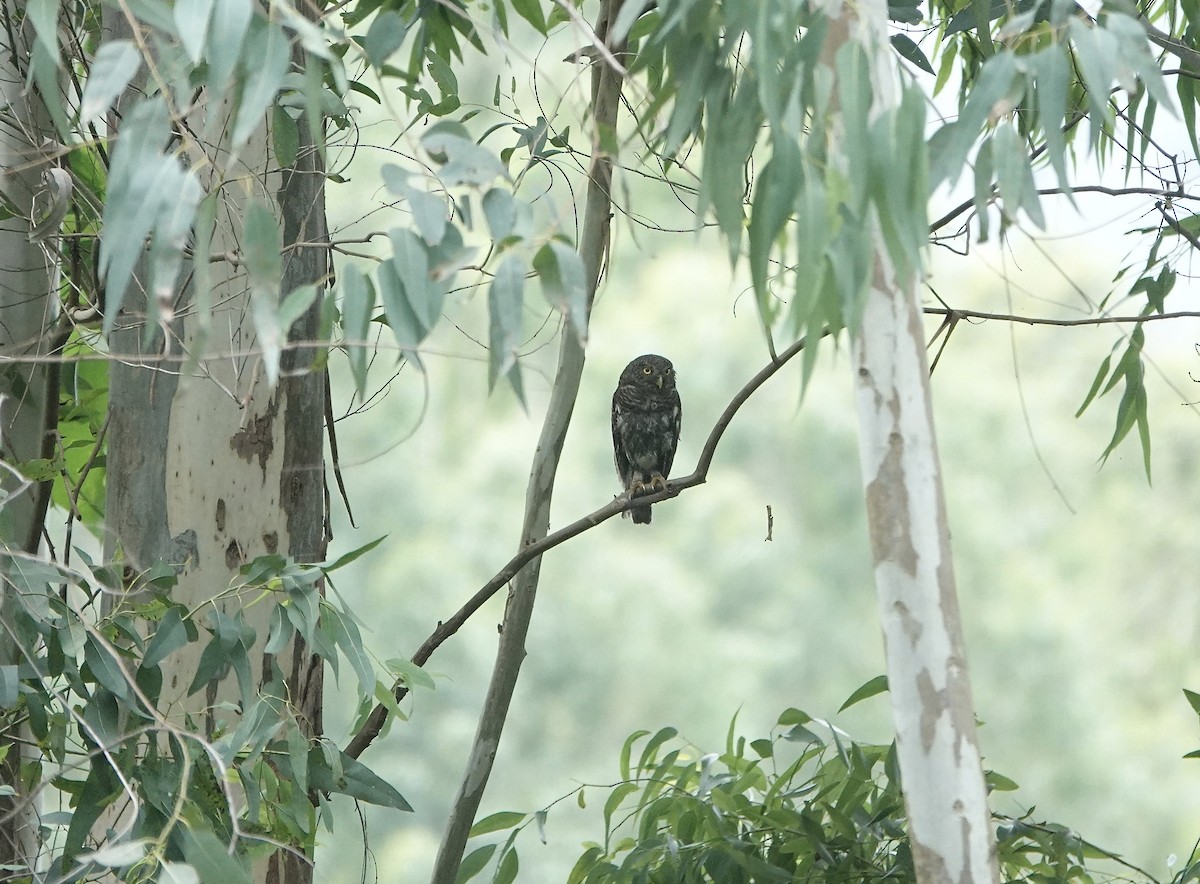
95,696
804,803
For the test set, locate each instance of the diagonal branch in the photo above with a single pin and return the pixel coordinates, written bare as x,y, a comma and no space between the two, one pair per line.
371,728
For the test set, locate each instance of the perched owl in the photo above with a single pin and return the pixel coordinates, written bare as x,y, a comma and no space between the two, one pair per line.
645,428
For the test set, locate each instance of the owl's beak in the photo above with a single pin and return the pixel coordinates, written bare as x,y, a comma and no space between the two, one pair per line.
658,381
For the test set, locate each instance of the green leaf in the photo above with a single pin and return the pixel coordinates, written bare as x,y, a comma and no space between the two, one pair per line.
294,305
285,137
910,51
170,636
10,686
904,13
261,247
428,210
876,685
191,23
1095,388
106,670
506,302
999,783
950,145
280,633
1193,699
386,698
114,67
262,74
509,866
499,210
615,797
139,180
474,863
531,11
561,272
298,747
412,674
774,197
358,303
411,262
177,873
384,37
505,819
210,857
117,855
1014,175
96,793
651,747
257,727
626,749
44,16
1052,69
630,12
229,26
353,555
349,640
355,780
463,161
1096,51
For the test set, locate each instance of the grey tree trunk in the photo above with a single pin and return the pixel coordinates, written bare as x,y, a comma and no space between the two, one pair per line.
28,271
209,468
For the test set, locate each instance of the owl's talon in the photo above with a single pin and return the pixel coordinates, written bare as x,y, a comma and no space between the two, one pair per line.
658,483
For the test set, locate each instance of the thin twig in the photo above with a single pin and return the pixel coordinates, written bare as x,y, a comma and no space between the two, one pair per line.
1043,320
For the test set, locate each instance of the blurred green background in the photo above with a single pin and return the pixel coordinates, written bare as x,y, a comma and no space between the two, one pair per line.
1079,583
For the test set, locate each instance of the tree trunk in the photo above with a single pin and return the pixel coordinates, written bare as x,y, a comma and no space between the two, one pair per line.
210,468
950,827
28,271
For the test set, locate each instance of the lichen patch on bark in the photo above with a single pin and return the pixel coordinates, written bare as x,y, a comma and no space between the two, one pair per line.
888,511
256,439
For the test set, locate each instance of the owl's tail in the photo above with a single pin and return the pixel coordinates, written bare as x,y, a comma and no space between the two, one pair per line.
641,515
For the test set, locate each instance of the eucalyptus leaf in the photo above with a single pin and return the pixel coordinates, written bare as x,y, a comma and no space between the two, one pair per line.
113,69
262,76
506,304
352,778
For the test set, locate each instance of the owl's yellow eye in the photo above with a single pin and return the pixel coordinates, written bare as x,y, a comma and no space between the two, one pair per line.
646,369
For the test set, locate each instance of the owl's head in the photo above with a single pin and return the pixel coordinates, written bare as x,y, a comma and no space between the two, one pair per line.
649,371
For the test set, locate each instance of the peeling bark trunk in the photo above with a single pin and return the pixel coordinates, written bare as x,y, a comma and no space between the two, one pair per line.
209,468
949,824
950,828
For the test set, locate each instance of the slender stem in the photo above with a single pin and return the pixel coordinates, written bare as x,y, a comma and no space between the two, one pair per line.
607,78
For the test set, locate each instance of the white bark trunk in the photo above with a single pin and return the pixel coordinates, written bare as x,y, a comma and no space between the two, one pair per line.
949,824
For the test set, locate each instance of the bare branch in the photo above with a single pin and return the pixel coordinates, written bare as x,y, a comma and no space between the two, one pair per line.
1042,320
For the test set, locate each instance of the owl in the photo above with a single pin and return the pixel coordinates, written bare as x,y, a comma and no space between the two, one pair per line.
645,427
